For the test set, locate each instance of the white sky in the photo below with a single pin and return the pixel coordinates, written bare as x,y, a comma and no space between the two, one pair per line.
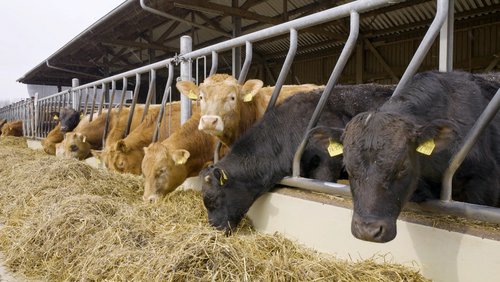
32,30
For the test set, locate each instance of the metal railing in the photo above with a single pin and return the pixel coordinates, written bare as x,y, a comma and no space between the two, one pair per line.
23,110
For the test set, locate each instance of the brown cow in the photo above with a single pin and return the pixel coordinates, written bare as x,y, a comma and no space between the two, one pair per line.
74,146
167,164
126,154
68,120
13,128
229,109
2,122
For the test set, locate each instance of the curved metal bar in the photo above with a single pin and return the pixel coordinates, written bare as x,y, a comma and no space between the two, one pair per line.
482,122
134,102
248,61
339,67
166,94
85,107
151,92
124,92
215,63
103,93
108,115
285,69
94,89
218,146
425,45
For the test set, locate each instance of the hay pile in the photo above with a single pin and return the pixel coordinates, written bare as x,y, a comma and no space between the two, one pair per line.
67,221
13,141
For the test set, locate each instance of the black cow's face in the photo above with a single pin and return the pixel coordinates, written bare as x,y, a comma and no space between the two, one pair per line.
380,155
69,119
225,198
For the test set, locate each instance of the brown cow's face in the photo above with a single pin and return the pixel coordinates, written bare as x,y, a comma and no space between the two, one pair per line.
124,159
380,155
163,171
221,99
75,145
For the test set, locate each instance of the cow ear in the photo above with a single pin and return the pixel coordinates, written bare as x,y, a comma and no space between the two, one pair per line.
121,146
188,89
180,156
250,89
329,138
435,136
54,115
220,175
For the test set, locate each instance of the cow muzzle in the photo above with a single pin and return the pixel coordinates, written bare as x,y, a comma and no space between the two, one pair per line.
211,124
153,198
373,229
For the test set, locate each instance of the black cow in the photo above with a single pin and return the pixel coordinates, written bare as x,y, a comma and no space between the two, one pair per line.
69,119
407,144
263,155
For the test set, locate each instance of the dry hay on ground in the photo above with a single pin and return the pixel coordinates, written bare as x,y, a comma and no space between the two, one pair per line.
67,221
13,141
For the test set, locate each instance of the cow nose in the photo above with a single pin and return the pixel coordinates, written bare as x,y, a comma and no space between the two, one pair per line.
373,229
73,148
64,128
209,121
150,199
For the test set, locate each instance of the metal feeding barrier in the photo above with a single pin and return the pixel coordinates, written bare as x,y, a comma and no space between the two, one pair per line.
41,108
22,110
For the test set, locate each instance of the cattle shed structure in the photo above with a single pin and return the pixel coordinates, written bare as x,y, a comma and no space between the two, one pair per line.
143,46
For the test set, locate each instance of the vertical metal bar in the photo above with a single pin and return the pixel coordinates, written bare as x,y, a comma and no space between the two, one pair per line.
103,93
482,122
85,107
215,63
94,97
108,115
339,67
285,69
186,47
166,94
425,45
248,62
74,83
151,91
446,40
134,102
80,100
124,93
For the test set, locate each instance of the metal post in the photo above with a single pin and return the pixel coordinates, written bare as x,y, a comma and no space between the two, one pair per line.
247,63
186,47
104,86
425,45
339,67
446,40
124,93
236,52
108,115
285,69
86,101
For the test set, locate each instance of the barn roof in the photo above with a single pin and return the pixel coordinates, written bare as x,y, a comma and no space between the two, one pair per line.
129,36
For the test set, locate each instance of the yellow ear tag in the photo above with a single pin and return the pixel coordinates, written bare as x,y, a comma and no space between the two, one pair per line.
335,148
84,139
427,147
248,98
192,95
98,161
56,118
223,177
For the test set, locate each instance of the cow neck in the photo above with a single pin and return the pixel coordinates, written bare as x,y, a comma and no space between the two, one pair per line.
199,145
248,116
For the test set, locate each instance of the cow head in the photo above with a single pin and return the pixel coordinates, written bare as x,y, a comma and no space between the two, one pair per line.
226,198
221,101
76,146
122,158
381,155
69,119
163,169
